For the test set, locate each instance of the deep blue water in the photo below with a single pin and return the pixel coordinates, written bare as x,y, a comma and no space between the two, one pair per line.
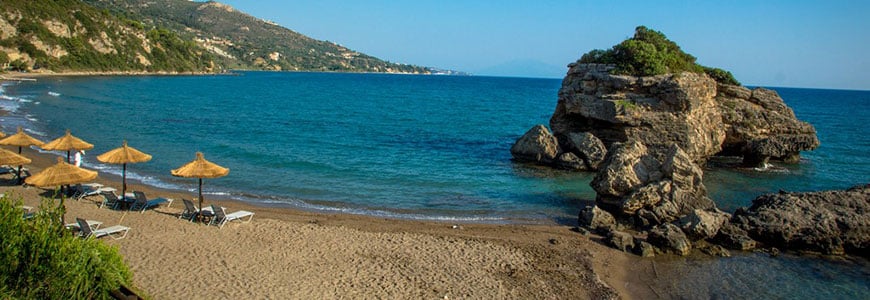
427,147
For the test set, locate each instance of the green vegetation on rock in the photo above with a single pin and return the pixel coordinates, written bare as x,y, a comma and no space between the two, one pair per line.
40,259
649,53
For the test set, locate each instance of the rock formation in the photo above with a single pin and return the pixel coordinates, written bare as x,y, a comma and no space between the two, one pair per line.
831,222
690,110
657,111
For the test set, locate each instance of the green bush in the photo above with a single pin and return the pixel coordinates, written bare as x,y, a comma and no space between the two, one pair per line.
40,259
650,52
721,76
18,65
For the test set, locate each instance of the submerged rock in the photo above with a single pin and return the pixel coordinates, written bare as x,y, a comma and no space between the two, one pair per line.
830,222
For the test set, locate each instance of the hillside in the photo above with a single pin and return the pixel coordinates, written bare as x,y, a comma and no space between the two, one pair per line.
69,35
240,41
165,36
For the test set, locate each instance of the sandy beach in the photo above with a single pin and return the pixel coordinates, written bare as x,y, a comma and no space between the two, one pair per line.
291,254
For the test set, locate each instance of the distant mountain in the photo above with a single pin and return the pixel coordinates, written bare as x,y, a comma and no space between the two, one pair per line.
69,35
240,41
524,68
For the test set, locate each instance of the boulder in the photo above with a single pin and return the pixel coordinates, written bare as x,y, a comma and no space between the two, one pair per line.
732,237
620,240
588,147
830,222
670,239
703,224
633,178
715,250
569,161
596,219
537,145
644,249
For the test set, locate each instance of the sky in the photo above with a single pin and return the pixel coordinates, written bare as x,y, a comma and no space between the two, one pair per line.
812,44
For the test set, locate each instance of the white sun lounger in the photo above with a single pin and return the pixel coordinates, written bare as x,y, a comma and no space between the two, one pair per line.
221,218
108,231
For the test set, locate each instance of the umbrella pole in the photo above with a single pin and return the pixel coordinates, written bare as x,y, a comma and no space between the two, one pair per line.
67,157
124,181
19,167
200,194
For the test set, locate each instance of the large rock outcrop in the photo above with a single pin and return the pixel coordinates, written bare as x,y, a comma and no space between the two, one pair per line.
690,110
831,222
657,111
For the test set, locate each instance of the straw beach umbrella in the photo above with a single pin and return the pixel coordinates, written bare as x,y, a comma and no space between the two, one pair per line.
124,155
200,168
67,143
61,174
20,139
11,158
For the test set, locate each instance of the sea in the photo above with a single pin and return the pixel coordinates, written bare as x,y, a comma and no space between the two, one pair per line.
424,148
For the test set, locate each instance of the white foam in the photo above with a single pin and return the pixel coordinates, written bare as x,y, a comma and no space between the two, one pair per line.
55,94
375,212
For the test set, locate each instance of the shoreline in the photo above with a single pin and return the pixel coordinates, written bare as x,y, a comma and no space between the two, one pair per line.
493,260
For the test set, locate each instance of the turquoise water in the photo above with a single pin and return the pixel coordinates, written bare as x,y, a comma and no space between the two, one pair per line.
424,147
405,146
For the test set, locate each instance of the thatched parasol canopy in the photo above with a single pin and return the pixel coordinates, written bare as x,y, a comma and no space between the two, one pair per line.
11,158
200,168
67,143
124,155
20,139
60,174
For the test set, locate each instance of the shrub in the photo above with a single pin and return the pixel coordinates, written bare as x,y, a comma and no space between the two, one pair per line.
721,76
650,52
40,259
18,65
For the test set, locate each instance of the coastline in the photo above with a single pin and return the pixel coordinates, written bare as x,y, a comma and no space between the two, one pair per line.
381,257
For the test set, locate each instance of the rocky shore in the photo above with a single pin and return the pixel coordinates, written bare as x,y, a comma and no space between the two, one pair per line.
648,138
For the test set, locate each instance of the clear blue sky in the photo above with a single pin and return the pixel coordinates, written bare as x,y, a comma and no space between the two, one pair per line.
824,44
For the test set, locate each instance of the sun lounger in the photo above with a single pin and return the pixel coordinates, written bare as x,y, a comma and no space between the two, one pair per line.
221,218
76,227
113,231
111,200
189,212
90,189
142,203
